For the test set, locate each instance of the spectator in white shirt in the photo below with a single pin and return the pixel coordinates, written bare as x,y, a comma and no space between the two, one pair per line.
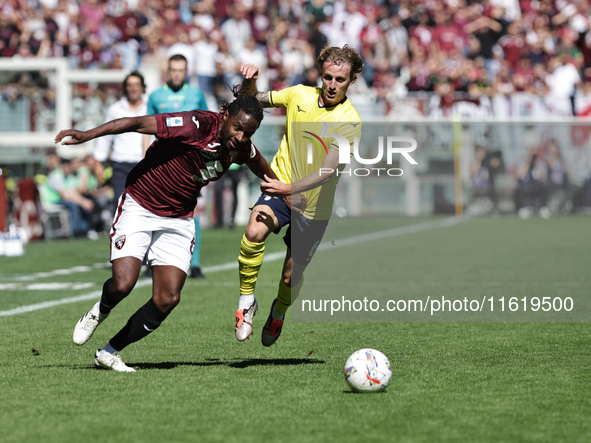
205,52
123,150
236,29
563,81
254,54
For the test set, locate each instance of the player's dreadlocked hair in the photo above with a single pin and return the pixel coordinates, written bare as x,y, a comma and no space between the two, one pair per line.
337,55
247,103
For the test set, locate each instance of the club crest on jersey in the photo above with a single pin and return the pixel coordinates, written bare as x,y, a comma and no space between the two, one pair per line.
174,121
120,241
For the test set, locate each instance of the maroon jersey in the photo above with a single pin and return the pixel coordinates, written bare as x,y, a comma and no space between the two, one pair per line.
185,156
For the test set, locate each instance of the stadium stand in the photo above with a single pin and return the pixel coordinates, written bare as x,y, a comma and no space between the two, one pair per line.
482,51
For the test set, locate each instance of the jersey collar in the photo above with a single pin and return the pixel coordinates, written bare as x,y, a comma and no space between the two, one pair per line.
165,86
336,104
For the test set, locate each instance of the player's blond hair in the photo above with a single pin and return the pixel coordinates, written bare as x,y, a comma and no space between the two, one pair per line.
337,55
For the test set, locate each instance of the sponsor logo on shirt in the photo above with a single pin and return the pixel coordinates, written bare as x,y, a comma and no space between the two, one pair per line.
199,179
211,152
211,171
174,121
210,155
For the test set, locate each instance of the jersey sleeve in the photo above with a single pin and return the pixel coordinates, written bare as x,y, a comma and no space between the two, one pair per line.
253,157
182,127
280,99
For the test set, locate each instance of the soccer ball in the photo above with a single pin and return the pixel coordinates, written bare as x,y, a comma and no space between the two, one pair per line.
368,370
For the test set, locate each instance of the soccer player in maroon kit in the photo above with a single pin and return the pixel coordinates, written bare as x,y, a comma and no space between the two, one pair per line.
154,214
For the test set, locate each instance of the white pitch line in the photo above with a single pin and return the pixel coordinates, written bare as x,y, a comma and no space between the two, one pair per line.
374,236
394,232
51,286
50,304
68,271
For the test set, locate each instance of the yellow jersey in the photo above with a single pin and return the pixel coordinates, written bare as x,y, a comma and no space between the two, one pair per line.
305,144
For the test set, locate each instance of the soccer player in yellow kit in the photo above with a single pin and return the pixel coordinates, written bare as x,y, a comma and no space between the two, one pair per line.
306,163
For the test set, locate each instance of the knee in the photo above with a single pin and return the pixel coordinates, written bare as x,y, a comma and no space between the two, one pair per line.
287,277
167,302
121,287
255,233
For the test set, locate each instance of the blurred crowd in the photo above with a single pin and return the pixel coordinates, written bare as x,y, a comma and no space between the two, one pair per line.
71,183
544,183
475,47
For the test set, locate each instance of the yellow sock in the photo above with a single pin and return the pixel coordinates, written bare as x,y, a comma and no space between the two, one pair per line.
249,263
286,296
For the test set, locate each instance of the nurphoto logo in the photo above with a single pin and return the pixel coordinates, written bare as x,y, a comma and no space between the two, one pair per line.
394,145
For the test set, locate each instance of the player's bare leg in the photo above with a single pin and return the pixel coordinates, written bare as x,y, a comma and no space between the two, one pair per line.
168,284
125,274
291,282
166,295
252,249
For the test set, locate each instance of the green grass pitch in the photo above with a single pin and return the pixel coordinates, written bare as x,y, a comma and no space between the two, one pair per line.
452,381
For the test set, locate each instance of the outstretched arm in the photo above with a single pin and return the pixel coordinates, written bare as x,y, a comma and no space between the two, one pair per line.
144,125
262,168
250,72
317,178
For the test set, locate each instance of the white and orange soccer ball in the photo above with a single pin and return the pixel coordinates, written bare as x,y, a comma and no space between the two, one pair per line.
368,370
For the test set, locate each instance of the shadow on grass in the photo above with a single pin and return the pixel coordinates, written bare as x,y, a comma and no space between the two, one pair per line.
238,364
